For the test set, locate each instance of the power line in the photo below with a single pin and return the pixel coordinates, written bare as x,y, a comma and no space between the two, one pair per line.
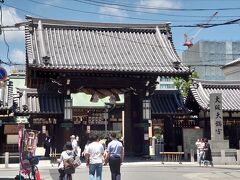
169,9
211,25
23,10
105,14
147,44
89,12
4,36
94,3
10,64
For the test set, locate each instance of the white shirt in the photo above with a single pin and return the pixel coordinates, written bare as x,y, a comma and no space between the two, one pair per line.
65,155
95,151
74,144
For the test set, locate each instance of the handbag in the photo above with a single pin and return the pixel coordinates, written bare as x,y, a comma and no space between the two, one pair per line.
77,161
68,166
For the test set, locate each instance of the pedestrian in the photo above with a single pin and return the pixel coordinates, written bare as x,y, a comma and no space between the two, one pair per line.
115,153
47,146
94,158
207,153
198,143
78,147
201,151
67,154
103,142
74,144
85,147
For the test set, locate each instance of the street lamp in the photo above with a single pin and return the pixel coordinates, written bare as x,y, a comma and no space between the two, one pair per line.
67,109
147,119
146,109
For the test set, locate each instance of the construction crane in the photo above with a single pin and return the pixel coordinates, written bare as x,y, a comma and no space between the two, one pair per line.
189,41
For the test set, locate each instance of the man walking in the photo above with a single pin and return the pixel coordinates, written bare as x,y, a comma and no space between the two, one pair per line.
115,155
74,144
94,158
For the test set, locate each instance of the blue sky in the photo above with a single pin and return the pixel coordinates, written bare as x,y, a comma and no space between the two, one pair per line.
123,11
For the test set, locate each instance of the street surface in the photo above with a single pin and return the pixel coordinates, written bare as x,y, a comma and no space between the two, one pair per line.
143,171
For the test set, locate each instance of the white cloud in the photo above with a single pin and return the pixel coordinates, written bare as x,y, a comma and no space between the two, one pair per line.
10,18
155,4
17,56
113,10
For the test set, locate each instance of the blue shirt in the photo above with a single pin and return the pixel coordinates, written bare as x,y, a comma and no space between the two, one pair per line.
115,148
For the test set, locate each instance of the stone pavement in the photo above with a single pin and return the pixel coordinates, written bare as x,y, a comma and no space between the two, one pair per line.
49,171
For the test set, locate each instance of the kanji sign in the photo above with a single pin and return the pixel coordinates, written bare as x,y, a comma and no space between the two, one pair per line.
216,116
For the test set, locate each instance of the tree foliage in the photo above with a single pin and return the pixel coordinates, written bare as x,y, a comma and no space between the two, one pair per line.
184,85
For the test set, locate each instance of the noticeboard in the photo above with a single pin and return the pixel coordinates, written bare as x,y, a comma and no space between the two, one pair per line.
10,129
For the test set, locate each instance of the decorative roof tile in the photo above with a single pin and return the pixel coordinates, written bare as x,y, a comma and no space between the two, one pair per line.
33,102
201,90
56,44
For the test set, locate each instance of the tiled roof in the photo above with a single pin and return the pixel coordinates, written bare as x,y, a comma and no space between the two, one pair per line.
167,102
201,90
31,101
61,45
6,95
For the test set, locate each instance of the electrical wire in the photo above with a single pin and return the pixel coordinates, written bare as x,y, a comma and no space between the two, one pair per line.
181,26
169,9
147,44
4,36
12,16
144,12
175,26
23,10
105,14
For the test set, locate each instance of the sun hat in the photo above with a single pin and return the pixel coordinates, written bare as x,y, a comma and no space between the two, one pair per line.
72,136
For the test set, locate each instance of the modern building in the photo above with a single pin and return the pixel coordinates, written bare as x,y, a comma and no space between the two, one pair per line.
207,57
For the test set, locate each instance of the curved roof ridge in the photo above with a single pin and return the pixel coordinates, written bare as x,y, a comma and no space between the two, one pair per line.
201,90
45,21
218,83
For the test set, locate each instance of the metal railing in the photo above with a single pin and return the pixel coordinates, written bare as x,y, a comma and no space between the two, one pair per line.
6,156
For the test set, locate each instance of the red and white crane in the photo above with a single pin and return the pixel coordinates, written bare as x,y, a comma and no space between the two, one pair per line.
189,41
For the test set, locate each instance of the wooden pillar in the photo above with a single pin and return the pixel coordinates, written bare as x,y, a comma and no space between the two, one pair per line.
169,135
63,133
128,125
133,134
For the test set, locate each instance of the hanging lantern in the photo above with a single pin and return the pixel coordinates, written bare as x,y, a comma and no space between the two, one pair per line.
146,109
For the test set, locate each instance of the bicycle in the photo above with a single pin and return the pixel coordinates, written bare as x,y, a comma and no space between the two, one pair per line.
34,173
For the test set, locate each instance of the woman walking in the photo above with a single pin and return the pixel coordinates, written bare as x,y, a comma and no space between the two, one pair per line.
66,155
207,153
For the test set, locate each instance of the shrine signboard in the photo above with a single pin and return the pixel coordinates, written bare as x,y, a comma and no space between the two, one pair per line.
216,116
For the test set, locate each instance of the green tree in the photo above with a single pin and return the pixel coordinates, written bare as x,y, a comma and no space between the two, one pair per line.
183,85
